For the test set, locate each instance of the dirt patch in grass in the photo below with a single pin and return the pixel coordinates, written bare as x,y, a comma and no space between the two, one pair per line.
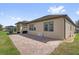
68,48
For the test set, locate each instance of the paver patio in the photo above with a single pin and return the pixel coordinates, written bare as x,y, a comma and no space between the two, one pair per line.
29,46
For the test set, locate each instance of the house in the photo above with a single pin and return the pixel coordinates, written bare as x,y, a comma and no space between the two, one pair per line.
10,29
51,26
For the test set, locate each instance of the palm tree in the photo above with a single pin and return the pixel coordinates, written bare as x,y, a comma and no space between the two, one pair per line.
1,27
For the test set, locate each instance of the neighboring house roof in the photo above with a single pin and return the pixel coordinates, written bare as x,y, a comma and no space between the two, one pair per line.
9,26
49,17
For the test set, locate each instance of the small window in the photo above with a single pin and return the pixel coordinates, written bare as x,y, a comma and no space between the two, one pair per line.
45,26
48,26
32,27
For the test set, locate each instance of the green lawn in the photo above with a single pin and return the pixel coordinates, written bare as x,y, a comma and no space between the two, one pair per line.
68,48
6,45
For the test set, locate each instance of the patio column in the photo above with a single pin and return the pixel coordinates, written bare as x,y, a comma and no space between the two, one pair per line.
21,28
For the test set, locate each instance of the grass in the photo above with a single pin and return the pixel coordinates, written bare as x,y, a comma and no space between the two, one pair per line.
68,48
6,45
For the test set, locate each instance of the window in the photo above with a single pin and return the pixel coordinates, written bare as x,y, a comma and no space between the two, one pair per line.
32,27
45,26
48,26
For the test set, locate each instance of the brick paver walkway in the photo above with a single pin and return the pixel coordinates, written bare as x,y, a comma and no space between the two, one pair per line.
28,46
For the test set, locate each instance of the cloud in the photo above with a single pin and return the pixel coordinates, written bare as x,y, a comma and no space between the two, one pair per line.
12,17
77,12
15,18
56,10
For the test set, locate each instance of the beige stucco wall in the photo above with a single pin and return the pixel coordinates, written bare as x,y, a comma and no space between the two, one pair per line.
58,32
21,27
17,27
69,32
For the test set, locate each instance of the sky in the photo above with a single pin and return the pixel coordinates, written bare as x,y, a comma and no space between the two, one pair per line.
11,13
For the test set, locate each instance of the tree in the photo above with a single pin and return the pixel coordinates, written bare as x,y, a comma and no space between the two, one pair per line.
77,26
1,27
77,22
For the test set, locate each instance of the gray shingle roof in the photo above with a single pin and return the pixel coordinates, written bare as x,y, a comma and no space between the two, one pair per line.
49,17
23,22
